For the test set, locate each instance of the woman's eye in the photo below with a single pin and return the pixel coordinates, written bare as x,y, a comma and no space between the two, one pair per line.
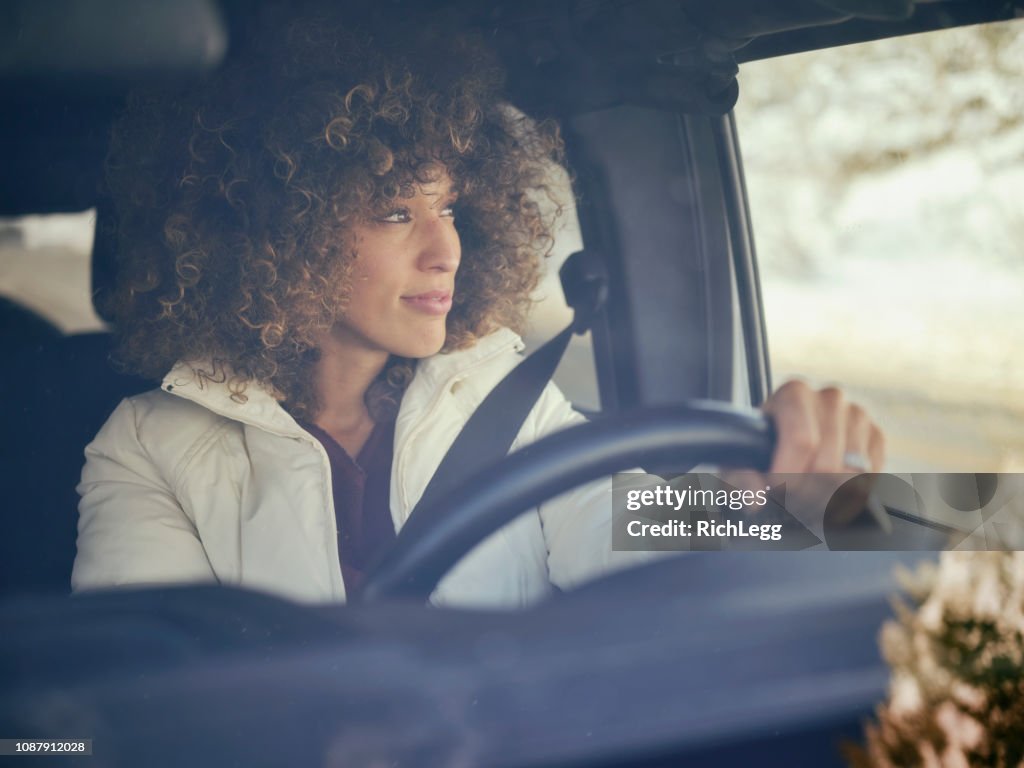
403,216
397,216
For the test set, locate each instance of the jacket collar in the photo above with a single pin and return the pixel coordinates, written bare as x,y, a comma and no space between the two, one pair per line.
260,407
434,372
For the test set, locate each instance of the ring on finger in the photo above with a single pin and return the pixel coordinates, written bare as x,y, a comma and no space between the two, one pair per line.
856,461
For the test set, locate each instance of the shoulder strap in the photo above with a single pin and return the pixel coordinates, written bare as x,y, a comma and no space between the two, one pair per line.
490,431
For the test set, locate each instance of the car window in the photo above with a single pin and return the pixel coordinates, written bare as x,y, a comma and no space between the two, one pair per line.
44,267
576,375
885,182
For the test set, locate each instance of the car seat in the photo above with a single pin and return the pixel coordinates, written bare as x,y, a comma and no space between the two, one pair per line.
21,325
58,390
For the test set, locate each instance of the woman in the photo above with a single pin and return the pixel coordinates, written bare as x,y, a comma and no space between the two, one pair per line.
330,246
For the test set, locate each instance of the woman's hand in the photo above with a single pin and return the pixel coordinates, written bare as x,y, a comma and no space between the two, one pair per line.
822,439
820,431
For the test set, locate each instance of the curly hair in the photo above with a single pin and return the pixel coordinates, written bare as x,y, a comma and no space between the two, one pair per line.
233,199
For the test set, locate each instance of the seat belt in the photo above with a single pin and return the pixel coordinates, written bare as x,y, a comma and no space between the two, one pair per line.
488,434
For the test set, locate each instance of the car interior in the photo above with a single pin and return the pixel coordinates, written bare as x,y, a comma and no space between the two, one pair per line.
714,659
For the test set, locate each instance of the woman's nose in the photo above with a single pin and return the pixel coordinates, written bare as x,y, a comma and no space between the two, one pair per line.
441,249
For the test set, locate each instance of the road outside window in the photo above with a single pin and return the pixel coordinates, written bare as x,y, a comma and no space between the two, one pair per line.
885,182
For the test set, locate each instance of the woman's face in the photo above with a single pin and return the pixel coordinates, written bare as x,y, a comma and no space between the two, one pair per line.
404,275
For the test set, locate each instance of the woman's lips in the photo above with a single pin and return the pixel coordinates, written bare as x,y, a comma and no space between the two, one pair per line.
431,303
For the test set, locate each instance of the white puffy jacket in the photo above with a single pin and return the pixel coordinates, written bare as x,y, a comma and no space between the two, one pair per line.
185,484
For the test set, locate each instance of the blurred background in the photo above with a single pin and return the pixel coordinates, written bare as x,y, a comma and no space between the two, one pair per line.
886,183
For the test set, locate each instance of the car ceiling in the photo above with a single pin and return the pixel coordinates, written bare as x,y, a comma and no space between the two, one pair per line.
66,65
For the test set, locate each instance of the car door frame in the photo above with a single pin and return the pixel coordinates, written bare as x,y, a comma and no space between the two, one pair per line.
661,197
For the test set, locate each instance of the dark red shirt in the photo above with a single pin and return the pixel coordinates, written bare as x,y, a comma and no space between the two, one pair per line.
362,490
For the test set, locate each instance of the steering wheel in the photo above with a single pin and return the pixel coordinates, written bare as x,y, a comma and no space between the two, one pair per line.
679,435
